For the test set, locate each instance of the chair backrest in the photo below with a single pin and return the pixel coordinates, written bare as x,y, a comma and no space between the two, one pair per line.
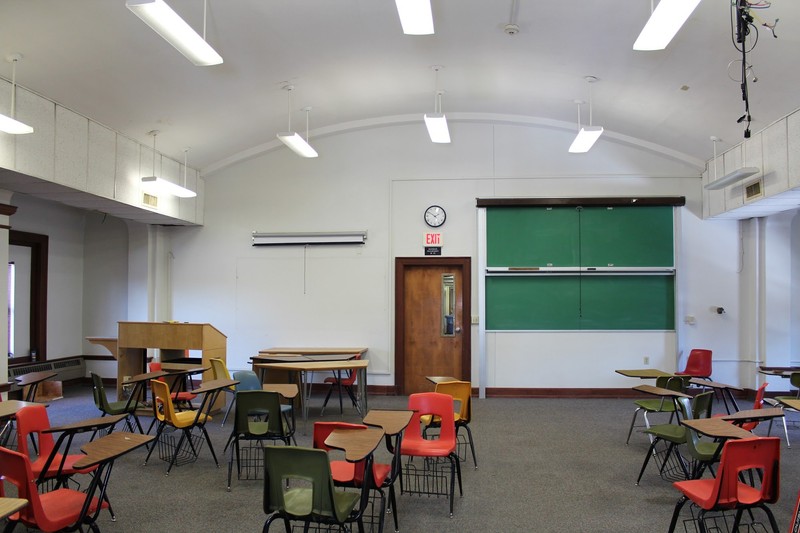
248,380
436,404
691,408
264,405
699,363
99,393
282,464
757,404
33,420
15,468
676,383
794,379
218,369
351,374
461,391
762,453
162,401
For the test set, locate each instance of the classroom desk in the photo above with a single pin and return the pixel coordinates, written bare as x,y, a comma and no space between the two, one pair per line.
309,351
304,368
357,444
391,421
8,409
722,388
643,373
286,390
717,428
754,415
32,380
781,371
68,432
9,506
793,403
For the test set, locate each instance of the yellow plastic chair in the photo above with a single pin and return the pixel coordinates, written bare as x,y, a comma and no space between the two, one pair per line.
219,370
166,415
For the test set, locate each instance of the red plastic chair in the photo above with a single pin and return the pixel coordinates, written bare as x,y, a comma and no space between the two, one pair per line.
415,445
347,383
758,403
698,365
727,491
57,510
179,398
343,472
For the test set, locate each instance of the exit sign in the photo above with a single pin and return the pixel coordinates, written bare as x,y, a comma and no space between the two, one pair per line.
433,239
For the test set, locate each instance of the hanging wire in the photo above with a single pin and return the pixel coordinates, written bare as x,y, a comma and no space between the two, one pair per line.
289,104
13,87
185,159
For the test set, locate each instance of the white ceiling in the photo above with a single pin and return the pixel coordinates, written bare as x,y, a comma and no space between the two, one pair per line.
349,61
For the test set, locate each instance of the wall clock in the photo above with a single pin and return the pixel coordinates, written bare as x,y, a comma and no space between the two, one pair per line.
435,216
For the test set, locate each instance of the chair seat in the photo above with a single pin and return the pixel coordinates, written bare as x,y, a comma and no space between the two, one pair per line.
67,470
183,396
186,418
706,450
118,408
381,472
427,448
654,405
701,492
669,432
60,507
300,502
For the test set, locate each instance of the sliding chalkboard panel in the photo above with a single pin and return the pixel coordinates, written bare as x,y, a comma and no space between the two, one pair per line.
532,302
627,302
626,236
532,237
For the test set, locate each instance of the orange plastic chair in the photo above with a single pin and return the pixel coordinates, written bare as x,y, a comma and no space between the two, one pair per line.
698,364
347,383
343,472
415,445
57,510
727,491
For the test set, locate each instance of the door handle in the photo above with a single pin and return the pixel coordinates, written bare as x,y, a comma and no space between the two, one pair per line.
458,329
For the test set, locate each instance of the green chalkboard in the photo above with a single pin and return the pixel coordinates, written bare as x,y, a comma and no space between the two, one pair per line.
532,237
580,302
573,236
626,236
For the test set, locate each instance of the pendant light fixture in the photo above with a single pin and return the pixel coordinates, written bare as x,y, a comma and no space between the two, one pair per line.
664,22
156,185
436,122
11,124
587,135
169,25
416,16
291,138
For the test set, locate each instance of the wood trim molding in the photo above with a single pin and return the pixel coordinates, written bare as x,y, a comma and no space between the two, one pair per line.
39,245
7,210
519,392
99,358
614,201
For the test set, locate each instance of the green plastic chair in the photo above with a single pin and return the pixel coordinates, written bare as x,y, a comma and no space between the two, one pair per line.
258,418
703,453
658,405
298,486
675,435
115,408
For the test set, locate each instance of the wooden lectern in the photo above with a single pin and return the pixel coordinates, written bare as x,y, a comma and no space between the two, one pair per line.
172,339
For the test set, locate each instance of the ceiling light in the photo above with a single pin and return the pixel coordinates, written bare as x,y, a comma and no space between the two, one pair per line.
293,139
169,25
416,17
587,135
10,124
436,122
734,177
155,185
665,21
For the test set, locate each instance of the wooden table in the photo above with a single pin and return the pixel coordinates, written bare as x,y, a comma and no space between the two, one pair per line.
304,368
32,380
722,388
644,373
9,506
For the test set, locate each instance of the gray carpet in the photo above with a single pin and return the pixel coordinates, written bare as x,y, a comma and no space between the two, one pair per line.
545,465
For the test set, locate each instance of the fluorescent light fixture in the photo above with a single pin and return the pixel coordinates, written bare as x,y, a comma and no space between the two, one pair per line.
279,239
585,139
729,179
437,127
416,17
14,127
169,25
158,185
665,21
293,140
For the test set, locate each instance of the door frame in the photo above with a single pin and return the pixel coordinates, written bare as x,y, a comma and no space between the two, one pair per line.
400,265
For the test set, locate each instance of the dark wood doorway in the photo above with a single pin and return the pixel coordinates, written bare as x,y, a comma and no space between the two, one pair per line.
428,343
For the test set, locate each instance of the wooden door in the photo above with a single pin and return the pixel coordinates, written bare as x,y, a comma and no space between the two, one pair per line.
427,341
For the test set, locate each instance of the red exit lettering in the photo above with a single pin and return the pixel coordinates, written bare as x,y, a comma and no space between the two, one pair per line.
433,239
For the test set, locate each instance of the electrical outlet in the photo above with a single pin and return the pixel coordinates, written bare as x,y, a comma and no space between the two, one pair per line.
646,360
476,319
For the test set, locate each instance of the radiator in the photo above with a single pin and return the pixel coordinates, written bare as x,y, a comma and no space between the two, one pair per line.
66,369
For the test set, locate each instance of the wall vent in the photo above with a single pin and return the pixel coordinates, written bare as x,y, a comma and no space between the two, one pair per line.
754,190
150,200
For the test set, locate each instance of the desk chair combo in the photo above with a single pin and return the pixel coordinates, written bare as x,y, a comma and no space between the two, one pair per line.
461,391
180,398
658,405
414,444
289,496
703,453
116,407
698,365
258,418
728,491
166,415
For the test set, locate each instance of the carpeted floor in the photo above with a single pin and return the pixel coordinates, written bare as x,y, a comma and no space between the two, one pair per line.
545,465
